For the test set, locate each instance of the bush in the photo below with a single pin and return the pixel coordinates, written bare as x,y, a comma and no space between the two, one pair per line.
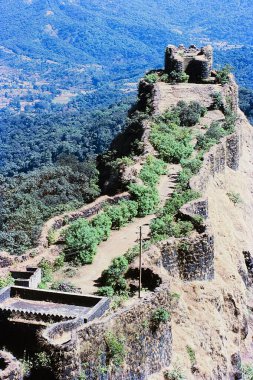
152,170
42,360
191,354
51,237
6,281
222,76
247,371
151,78
177,200
217,101
147,198
106,291
160,315
116,348
59,261
47,270
211,137
193,164
171,147
81,241
183,179
103,224
114,275
176,77
189,114
63,286
121,214
234,197
174,374
164,227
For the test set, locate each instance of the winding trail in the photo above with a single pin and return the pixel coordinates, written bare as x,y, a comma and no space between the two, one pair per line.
121,240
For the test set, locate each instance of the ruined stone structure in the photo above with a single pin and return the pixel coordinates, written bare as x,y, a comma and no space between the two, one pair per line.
51,304
30,278
145,348
197,63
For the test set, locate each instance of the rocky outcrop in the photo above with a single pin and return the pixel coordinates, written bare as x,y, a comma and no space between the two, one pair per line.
10,368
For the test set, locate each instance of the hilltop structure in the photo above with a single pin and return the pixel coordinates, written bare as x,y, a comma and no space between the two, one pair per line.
197,63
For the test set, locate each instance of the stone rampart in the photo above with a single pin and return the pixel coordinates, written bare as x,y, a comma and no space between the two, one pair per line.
190,258
226,153
30,278
146,348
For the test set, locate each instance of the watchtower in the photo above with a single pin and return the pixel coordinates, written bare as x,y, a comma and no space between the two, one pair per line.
197,63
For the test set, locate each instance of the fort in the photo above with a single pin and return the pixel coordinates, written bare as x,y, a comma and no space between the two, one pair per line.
78,331
197,63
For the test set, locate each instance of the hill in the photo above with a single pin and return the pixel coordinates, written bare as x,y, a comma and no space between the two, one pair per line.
79,46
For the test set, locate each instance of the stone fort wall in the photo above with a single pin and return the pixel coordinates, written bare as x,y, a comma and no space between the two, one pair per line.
145,349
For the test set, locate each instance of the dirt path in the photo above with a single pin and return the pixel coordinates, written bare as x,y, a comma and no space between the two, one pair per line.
120,241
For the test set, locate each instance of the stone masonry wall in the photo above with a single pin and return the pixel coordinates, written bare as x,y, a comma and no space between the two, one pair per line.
145,348
191,258
226,153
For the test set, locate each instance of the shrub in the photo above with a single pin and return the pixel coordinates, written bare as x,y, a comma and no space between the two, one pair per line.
193,164
191,354
222,76
114,275
170,147
106,291
183,179
176,77
81,241
6,281
103,224
174,374
211,137
116,348
47,270
165,227
151,78
217,101
189,114
121,214
181,228
147,198
247,371
160,315
64,286
230,120
234,197
152,170
177,200
52,237
42,360
125,161
59,261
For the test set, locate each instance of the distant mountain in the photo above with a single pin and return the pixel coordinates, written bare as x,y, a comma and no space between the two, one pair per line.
83,44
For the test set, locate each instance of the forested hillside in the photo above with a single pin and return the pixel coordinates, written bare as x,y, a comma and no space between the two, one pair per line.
53,50
68,73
